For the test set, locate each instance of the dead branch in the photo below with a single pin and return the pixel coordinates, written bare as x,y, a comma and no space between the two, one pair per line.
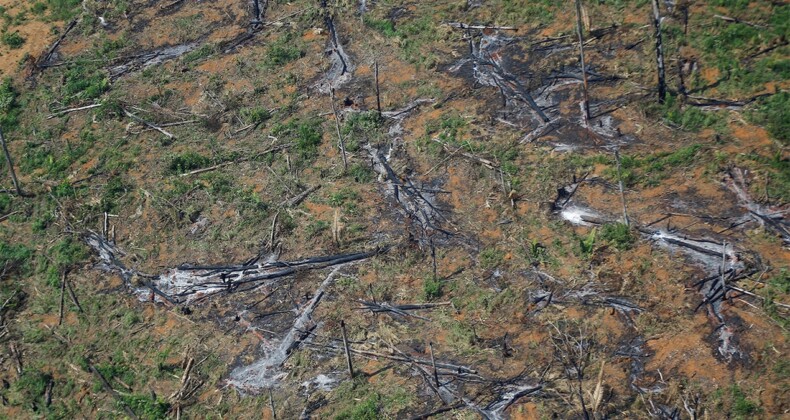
485,162
62,297
418,204
378,92
736,20
293,202
440,410
73,295
771,218
337,127
459,25
345,347
401,310
17,357
148,124
235,161
622,190
70,110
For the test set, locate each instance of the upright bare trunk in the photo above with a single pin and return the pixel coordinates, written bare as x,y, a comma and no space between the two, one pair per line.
662,86
580,33
10,164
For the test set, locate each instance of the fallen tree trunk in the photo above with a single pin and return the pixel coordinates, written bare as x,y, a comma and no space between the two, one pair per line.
188,283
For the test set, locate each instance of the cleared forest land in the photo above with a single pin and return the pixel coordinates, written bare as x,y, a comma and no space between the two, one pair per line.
378,209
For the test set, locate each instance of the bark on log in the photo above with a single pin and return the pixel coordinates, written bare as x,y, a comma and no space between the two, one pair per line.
580,33
662,86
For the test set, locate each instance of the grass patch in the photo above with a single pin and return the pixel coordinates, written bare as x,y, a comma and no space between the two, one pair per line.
652,169
305,133
362,127
774,113
368,409
742,407
63,9
205,51
778,285
146,407
15,257
690,118
285,49
360,173
84,82
384,26
491,257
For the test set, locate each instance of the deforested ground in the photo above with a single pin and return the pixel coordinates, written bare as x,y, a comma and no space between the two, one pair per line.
379,209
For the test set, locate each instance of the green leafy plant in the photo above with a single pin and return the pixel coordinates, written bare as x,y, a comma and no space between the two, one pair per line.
9,107
305,133
432,289
618,235
284,50
13,40
587,243
187,161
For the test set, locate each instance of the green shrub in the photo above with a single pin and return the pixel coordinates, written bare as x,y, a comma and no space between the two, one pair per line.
9,107
206,50
690,118
38,8
316,227
385,26
362,127
255,115
618,235
66,254
305,133
187,161
13,40
432,289
115,188
587,244
339,198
